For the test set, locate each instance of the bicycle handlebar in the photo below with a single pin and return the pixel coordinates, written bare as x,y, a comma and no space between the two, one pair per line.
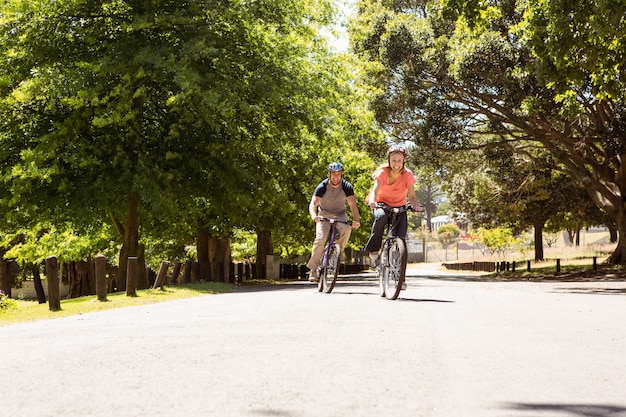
401,209
327,219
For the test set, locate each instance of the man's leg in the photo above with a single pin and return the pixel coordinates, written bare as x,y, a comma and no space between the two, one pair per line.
321,231
343,235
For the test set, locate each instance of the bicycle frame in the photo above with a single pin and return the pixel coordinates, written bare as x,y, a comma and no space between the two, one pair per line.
331,256
392,221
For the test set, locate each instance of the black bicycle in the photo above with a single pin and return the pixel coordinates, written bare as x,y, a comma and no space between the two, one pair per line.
331,258
393,255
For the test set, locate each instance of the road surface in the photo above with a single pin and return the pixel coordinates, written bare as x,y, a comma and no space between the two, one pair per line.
452,345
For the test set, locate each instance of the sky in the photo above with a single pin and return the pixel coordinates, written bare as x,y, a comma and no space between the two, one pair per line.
341,42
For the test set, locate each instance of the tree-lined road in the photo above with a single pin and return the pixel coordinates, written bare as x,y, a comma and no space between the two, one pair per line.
450,346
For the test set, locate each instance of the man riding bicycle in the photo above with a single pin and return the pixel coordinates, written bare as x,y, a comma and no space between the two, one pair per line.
329,200
393,182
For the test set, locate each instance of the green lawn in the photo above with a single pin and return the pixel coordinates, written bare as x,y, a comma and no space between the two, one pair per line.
26,310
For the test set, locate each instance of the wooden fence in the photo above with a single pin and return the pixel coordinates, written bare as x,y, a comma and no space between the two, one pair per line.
96,277
501,266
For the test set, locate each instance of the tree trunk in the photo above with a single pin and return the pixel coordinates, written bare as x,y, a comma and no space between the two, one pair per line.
539,242
219,257
130,245
6,281
41,295
74,288
428,203
264,247
619,254
202,246
142,273
120,277
612,234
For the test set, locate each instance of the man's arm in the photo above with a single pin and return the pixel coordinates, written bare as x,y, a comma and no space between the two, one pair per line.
354,209
315,202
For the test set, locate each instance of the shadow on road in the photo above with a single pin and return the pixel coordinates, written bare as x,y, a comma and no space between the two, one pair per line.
599,291
422,300
352,286
571,410
371,289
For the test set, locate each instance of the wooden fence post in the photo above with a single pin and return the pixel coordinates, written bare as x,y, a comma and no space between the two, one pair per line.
131,277
240,272
176,273
595,263
160,279
52,276
187,272
101,277
195,274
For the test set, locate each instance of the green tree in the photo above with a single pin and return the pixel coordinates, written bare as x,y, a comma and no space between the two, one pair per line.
497,240
460,75
169,118
520,194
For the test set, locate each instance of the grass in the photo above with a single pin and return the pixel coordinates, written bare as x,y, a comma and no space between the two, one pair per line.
26,311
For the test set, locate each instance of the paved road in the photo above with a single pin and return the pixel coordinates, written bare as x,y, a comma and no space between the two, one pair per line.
451,346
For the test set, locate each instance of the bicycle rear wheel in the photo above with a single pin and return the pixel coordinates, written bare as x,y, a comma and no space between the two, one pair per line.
330,268
392,275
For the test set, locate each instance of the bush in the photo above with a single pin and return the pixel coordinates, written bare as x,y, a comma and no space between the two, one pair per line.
448,233
498,240
6,303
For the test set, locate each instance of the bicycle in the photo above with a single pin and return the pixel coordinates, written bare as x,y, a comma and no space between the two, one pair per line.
392,255
331,257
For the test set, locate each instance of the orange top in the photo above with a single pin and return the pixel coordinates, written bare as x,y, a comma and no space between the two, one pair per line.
392,194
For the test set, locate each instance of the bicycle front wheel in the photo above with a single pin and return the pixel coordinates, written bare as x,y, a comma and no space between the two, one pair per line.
330,268
395,257
380,269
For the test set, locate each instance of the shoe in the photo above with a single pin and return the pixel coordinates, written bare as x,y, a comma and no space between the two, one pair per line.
403,286
313,276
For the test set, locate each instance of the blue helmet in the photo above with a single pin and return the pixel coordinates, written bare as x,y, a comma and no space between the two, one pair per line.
335,167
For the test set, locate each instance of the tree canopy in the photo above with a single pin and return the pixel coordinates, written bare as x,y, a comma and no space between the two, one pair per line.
167,116
538,76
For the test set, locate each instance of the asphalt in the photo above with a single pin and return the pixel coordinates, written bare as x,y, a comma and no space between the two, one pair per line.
453,344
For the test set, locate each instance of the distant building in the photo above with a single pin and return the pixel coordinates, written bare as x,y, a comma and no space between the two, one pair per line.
438,221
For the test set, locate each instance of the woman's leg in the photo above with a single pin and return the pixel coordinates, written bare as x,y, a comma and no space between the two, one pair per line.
378,228
401,226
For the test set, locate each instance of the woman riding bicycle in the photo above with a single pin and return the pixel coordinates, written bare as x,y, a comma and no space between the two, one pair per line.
393,182
329,200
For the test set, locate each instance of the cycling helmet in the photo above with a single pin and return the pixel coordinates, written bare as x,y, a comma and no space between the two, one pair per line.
396,149
335,167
